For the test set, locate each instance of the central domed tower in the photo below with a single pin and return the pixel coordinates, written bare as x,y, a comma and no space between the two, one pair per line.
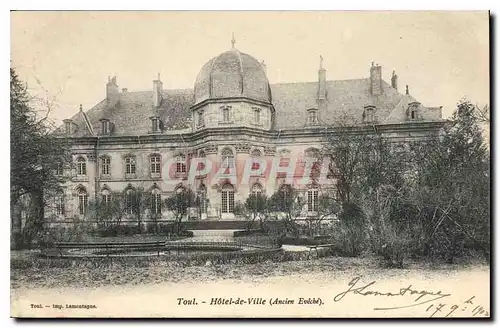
232,89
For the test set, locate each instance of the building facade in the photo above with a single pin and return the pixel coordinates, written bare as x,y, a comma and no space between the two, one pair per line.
233,134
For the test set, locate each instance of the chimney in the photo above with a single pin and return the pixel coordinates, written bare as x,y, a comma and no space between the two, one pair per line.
321,81
376,79
157,92
112,93
394,80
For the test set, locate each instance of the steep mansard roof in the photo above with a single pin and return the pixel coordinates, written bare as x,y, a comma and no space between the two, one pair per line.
346,99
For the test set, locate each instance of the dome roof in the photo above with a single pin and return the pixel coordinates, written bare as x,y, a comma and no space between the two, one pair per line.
232,74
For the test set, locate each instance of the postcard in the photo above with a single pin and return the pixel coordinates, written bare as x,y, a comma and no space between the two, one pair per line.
241,164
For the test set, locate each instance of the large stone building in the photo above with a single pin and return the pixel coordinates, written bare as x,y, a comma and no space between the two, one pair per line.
150,139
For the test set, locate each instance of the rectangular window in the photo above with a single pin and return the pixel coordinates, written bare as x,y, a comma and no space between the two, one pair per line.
156,125
201,121
312,200
180,166
106,199
67,127
130,165
105,161
59,169
83,200
129,203
225,115
256,116
60,205
105,127
313,117
156,204
155,165
81,168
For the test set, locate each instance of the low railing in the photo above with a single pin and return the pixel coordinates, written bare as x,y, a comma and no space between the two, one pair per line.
112,249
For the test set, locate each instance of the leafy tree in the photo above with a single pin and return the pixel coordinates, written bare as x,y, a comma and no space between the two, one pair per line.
107,215
34,152
139,201
254,208
288,206
454,187
179,204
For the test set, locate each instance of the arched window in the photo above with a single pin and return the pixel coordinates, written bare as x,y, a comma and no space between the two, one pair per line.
180,189
312,116
130,165
312,199
227,199
155,164
313,155
106,197
369,114
286,191
257,189
83,201
129,201
180,166
227,157
105,165
202,196
59,202
155,201
201,154
256,153
81,166
284,162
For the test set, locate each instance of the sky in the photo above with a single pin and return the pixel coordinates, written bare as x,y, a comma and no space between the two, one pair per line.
66,57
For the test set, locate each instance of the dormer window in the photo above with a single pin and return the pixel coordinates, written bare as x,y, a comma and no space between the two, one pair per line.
413,111
312,118
369,114
67,126
105,127
155,124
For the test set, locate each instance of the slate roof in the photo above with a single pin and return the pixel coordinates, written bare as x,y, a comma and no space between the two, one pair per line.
232,74
345,100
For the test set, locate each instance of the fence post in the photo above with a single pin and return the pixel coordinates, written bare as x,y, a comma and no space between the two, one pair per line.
158,247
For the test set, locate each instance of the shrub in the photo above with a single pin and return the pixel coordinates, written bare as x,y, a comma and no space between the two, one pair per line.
350,234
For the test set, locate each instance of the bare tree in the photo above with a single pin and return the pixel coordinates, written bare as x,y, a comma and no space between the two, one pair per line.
179,204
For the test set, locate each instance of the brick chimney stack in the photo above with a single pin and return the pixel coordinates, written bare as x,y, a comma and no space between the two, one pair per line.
321,81
112,92
376,79
157,92
394,80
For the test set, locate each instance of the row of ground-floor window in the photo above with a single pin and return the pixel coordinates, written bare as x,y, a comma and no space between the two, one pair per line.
156,206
